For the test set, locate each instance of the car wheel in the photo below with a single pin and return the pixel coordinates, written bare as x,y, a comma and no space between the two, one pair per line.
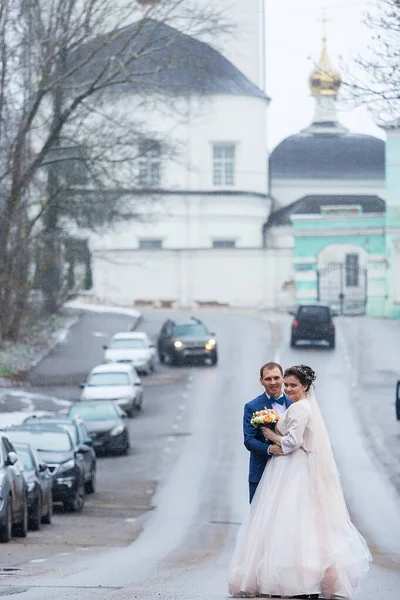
46,519
21,528
6,529
131,411
35,518
292,342
214,359
90,486
332,343
77,504
161,357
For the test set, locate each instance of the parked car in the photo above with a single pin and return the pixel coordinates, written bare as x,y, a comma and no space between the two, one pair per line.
182,340
313,323
13,492
118,382
133,348
39,485
81,438
106,422
398,400
64,459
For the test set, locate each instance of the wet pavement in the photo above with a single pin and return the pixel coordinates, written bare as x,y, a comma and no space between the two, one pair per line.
200,467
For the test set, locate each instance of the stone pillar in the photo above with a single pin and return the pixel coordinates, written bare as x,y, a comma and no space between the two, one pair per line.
392,309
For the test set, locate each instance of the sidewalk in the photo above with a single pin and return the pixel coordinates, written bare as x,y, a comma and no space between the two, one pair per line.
374,357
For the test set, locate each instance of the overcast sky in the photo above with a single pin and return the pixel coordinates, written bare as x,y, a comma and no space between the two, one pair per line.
294,32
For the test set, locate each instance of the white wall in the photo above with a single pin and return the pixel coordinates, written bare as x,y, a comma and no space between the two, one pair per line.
238,278
286,191
185,221
193,221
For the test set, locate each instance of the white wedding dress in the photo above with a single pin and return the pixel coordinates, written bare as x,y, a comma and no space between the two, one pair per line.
298,537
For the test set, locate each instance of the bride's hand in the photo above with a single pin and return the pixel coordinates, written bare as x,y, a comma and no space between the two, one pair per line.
269,435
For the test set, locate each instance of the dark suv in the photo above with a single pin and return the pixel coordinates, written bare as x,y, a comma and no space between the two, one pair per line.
313,323
81,438
182,340
56,447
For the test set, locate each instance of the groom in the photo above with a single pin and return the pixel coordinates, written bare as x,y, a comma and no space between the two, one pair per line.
271,378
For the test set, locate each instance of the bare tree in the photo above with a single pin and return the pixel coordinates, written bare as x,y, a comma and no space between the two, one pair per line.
374,77
69,148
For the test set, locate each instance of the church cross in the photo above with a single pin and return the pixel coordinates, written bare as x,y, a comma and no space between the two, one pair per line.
324,20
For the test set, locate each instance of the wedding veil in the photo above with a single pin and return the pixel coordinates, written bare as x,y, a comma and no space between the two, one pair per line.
346,553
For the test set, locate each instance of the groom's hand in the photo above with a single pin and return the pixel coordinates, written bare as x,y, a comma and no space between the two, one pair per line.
275,450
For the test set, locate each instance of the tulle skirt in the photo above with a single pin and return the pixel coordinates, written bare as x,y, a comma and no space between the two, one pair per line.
293,541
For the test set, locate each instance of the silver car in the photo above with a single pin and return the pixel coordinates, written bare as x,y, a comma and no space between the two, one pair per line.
115,381
133,348
13,493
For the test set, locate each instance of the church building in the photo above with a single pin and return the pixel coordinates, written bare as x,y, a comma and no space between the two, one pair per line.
328,197
229,226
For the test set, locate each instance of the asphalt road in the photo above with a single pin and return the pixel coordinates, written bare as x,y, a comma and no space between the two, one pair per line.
189,446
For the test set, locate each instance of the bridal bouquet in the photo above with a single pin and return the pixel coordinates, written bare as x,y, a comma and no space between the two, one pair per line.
265,418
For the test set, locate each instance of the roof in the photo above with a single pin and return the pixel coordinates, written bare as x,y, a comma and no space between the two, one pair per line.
129,335
113,368
311,205
168,61
328,155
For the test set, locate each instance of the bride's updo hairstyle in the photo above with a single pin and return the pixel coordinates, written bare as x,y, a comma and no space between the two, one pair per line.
304,374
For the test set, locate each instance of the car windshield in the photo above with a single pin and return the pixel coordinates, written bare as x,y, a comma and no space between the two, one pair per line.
48,441
94,411
320,313
128,343
25,456
70,427
100,379
189,329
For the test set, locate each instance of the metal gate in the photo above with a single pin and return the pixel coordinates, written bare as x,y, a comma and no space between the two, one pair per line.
344,287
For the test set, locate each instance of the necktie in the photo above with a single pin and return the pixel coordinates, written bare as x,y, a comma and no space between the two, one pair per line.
280,400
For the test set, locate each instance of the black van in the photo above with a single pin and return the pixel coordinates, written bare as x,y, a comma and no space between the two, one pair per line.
313,323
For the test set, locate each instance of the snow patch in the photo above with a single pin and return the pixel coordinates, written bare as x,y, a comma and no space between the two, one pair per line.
104,308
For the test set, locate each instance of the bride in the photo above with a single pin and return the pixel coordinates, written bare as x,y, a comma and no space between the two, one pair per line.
298,539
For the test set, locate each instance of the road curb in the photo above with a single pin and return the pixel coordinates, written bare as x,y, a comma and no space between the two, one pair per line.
59,336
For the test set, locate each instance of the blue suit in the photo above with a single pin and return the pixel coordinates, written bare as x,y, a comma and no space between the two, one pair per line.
254,440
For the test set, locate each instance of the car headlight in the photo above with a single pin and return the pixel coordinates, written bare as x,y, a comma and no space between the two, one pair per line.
210,344
66,466
117,430
31,486
178,344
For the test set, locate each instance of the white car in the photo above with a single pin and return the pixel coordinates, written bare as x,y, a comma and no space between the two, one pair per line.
116,381
132,347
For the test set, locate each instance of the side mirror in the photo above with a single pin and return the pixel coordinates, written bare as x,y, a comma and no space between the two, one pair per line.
152,345
291,312
105,347
12,458
88,442
137,383
43,467
83,448
81,385
124,415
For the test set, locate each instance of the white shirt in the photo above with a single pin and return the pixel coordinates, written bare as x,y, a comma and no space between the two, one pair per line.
280,409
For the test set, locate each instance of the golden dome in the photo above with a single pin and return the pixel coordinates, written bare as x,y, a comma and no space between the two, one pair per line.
325,79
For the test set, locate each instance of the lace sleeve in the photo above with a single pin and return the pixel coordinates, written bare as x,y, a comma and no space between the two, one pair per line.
295,425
